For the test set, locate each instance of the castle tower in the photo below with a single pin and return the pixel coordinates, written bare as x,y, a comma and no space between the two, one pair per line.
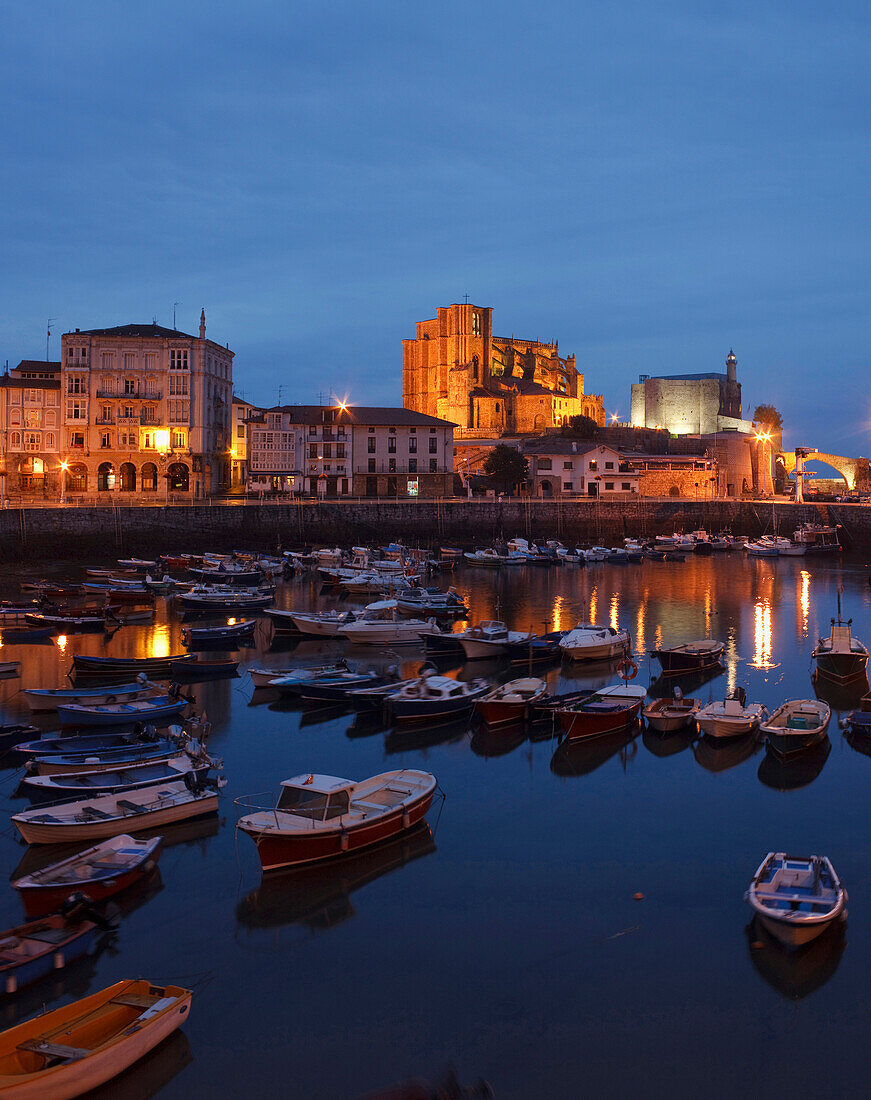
731,367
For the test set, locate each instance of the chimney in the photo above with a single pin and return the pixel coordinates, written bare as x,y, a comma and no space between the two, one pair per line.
203,324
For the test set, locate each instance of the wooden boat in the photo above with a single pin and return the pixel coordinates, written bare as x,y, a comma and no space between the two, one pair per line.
667,715
510,703
99,758
374,698
13,735
731,717
321,816
39,948
106,869
60,786
45,700
149,665
604,711
489,638
54,746
67,1052
213,635
136,615
589,642
796,898
435,698
841,658
160,587
333,687
795,725
22,636
211,600
432,601
111,814
262,677
155,709
326,624
201,667
9,668
690,656
70,622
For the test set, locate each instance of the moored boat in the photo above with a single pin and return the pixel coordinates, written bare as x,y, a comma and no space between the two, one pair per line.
155,709
80,756
149,665
731,717
602,712
214,635
510,703
44,700
116,780
489,638
589,642
667,715
796,898
66,1053
430,698
796,725
841,658
100,872
381,623
690,656
321,817
262,677
39,948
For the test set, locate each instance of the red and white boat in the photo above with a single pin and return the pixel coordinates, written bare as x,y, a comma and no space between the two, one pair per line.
320,817
509,703
101,871
604,711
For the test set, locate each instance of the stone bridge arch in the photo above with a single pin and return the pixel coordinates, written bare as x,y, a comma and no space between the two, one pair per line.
855,471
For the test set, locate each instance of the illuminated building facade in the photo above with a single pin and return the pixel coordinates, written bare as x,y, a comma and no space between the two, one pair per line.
457,370
690,404
146,410
30,431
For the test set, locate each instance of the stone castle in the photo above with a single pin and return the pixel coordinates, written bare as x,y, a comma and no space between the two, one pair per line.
456,369
690,404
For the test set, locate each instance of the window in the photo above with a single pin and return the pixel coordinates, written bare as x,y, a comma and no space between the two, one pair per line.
433,446
77,439
412,431
476,323
76,410
76,383
179,440
31,418
391,465
178,384
567,485
16,441
178,359
130,386
609,465
412,445
626,486
129,361
391,444
371,465
545,464
392,430
432,431
240,431
433,465
313,450
328,450
340,450
49,441
106,413
371,441
105,440
371,430
593,464
567,466
609,485
128,411
412,465
107,360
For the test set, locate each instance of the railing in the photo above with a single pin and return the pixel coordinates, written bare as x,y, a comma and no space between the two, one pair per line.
105,420
137,395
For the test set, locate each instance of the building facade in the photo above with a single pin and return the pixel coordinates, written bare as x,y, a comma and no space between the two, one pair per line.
243,411
456,369
339,451
690,404
146,410
30,432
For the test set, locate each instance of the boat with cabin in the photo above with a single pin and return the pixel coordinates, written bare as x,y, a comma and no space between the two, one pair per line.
489,638
435,698
796,898
319,817
841,658
589,642
382,623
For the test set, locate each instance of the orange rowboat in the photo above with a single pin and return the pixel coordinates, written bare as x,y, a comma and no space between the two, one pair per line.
65,1053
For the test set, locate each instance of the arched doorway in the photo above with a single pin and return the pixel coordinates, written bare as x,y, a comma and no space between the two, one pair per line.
674,491
77,478
128,477
148,478
105,477
546,488
31,473
179,477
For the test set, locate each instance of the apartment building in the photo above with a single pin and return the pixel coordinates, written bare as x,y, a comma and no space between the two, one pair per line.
30,431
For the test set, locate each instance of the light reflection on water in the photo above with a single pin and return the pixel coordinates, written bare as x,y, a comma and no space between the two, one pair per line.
510,931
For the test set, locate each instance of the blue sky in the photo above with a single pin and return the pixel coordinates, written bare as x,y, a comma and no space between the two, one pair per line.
650,184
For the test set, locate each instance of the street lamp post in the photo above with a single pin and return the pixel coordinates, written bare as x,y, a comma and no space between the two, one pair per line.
64,466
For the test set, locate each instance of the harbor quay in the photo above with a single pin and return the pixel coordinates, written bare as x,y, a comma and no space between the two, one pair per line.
78,532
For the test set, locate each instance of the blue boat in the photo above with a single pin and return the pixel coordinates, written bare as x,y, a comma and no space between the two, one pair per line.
121,714
135,752
53,746
39,948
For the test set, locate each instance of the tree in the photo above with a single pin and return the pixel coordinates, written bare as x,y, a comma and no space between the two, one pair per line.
768,417
505,467
580,427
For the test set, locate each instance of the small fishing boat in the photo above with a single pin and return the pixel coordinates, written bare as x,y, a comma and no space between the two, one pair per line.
489,557
602,712
202,668
690,656
334,687
80,757
382,624
22,636
435,697
489,638
795,725
841,658
443,644
162,587
214,635
432,601
14,734
262,677
324,624
115,780
731,717
510,703
156,709
39,948
50,746
149,665
215,600
139,564
44,700
796,898
282,620
321,817
106,869
761,550
135,615
69,623
112,814
66,1053
589,642
667,715
535,649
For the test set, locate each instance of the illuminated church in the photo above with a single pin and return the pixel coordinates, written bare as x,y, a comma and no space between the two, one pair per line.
456,369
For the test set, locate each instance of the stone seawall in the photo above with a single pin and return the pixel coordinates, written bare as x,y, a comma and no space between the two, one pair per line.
39,534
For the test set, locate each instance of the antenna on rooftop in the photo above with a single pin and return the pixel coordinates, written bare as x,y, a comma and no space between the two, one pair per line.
174,304
48,336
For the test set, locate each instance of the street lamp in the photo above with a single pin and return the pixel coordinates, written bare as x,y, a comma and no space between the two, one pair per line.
763,438
64,466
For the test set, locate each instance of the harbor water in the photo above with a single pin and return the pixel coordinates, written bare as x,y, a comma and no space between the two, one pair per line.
569,922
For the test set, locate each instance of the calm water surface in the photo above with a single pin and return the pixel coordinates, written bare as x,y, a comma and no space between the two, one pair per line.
506,942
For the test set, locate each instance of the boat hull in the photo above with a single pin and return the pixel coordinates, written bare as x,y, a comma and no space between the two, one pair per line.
601,652
583,725
687,662
795,935
496,713
422,710
277,851
78,942
84,715
842,668
36,832
788,744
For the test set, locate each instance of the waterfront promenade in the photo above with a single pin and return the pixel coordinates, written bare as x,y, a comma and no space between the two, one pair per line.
80,531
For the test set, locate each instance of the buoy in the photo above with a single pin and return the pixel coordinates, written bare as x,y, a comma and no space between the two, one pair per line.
639,896
757,945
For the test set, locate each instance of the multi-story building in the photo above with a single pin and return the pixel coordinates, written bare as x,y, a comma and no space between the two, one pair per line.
243,411
147,410
30,431
339,450
455,368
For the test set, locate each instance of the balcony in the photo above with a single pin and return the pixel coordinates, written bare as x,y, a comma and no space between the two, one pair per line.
137,395
150,421
105,420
